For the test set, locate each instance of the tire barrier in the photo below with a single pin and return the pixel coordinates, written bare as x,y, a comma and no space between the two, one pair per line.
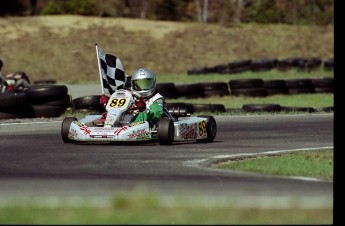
323,85
88,104
248,87
214,89
35,101
48,100
329,64
272,108
189,90
265,64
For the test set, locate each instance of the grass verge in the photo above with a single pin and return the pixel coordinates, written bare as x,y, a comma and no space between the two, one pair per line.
147,208
317,164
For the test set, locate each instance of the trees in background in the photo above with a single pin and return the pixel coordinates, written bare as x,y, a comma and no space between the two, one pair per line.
319,12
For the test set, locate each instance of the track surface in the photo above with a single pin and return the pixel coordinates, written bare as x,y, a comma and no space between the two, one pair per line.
34,162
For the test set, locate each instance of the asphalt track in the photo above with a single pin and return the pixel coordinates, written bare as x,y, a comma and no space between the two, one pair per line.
36,164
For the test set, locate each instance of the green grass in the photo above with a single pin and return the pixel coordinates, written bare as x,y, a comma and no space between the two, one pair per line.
318,164
148,208
298,100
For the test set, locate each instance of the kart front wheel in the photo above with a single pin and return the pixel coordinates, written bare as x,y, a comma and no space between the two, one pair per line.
211,128
66,124
166,131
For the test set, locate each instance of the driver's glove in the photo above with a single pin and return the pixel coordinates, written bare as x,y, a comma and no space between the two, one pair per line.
141,105
103,100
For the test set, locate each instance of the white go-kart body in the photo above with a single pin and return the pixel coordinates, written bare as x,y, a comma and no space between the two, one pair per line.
118,125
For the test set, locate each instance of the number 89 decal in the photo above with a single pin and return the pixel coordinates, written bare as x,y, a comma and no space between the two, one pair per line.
202,128
117,102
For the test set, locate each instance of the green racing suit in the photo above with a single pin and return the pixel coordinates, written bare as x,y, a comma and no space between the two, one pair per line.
153,112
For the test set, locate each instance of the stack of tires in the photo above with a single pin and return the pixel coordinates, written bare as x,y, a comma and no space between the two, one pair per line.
263,65
35,102
248,87
15,105
214,89
167,90
323,85
87,104
275,87
299,86
48,100
328,64
189,90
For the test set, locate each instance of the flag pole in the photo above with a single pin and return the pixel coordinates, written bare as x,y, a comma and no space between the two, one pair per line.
99,69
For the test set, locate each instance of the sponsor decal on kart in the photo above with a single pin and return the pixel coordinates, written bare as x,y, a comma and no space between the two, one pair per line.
85,129
136,123
202,128
187,131
119,130
139,135
78,123
72,133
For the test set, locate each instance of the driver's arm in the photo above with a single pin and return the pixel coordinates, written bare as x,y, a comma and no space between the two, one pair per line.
156,111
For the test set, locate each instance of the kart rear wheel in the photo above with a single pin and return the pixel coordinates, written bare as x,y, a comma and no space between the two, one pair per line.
66,124
211,129
166,131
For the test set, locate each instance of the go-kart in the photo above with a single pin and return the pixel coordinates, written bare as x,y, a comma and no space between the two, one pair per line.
117,126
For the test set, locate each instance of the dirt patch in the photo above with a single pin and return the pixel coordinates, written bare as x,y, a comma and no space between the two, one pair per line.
62,47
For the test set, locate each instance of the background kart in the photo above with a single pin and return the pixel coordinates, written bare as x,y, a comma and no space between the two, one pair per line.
175,125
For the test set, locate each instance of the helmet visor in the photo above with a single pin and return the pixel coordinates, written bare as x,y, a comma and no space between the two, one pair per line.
143,84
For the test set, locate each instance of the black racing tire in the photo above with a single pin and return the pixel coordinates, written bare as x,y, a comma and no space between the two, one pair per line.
252,92
211,129
197,71
215,89
299,83
220,93
48,111
324,90
328,64
66,124
166,131
274,84
46,91
63,102
167,90
263,64
323,82
10,100
246,83
281,91
87,102
301,91
239,64
189,90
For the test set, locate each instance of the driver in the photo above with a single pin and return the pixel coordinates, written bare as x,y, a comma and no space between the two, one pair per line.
150,104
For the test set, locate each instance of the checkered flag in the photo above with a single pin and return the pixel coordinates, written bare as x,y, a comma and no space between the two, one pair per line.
112,73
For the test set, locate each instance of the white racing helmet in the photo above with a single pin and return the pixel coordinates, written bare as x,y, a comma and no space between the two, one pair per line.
144,82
